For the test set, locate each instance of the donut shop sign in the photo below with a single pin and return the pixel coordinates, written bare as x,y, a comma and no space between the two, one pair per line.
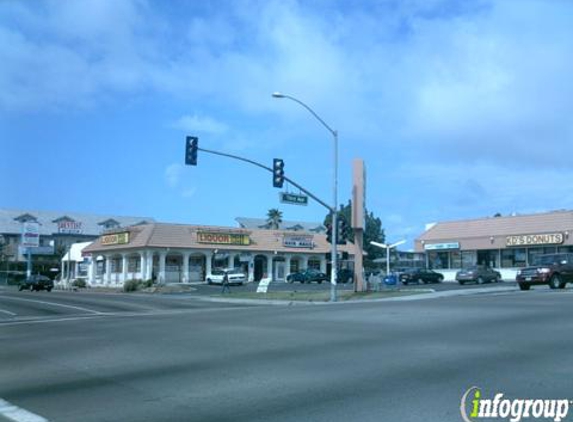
534,239
224,238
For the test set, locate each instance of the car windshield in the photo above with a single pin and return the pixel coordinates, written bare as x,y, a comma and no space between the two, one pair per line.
218,272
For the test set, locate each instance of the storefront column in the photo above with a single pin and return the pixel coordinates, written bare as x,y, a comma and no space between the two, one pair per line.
92,269
162,257
142,265
251,276
186,267
270,266
287,265
304,263
323,265
107,275
149,265
124,267
208,263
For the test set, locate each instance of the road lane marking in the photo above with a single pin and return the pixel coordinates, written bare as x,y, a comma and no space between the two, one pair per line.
43,302
17,414
7,312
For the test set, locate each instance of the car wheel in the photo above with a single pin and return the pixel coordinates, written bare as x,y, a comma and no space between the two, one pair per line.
440,279
498,279
461,282
49,289
479,280
289,281
319,281
404,282
209,282
523,286
555,282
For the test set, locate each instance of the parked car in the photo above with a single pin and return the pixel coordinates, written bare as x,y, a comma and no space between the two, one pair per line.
555,270
236,276
345,275
36,283
478,274
420,275
307,276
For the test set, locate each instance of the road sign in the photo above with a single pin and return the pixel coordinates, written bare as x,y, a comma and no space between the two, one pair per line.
293,198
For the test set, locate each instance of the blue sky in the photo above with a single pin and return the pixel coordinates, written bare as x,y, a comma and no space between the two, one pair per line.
460,109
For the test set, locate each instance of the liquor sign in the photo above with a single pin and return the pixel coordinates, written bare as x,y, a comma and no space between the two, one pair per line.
441,246
115,239
224,238
31,235
293,198
298,241
70,227
535,239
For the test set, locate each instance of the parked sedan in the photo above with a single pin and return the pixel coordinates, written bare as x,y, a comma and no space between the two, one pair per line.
236,276
307,276
420,276
36,283
478,274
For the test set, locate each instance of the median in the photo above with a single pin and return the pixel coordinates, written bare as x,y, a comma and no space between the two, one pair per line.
321,296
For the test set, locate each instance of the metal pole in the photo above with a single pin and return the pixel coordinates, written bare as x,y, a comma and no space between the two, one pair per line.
333,257
28,263
387,261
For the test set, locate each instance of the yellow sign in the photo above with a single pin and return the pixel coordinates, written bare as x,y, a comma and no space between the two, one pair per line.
223,238
534,239
115,239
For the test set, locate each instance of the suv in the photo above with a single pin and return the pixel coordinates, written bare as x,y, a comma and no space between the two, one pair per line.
36,283
479,274
556,270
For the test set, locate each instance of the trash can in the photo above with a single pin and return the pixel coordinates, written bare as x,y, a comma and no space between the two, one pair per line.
391,280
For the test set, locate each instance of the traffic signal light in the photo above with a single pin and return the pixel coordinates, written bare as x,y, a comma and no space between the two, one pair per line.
342,234
191,147
329,233
278,173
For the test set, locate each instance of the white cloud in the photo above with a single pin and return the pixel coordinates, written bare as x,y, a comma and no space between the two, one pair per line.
173,174
200,124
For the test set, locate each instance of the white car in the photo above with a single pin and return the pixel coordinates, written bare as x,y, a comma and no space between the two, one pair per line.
236,276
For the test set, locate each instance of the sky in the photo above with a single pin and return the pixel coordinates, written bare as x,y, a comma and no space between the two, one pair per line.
459,108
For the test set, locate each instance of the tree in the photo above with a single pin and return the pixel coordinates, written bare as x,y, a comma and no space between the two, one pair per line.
373,232
274,218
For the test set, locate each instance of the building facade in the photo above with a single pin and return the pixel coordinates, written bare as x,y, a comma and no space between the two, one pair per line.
170,253
504,243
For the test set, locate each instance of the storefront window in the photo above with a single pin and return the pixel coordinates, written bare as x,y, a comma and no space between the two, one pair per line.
512,258
566,249
116,264
532,253
134,265
438,260
488,258
314,264
456,259
294,265
469,259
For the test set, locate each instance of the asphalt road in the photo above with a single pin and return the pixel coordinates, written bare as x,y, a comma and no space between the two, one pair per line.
113,357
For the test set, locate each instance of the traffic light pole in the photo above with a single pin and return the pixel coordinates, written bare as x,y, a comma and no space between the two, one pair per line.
292,182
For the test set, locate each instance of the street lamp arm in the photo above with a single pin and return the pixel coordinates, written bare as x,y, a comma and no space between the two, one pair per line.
279,95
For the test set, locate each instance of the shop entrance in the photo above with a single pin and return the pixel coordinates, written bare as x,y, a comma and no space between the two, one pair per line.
260,267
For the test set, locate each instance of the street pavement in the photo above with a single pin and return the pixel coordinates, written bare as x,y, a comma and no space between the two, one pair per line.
85,356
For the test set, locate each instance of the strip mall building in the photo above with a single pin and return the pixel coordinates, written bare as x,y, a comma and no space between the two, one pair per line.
503,243
188,253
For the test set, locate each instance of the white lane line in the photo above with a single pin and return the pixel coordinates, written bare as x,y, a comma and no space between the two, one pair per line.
42,302
7,312
17,414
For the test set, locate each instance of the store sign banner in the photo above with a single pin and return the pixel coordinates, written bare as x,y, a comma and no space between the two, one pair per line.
441,246
70,227
290,241
31,235
223,238
535,239
115,239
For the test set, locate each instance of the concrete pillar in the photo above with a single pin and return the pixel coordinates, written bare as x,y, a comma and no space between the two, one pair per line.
142,268
323,265
208,263
107,274
124,267
149,265
287,265
304,260
251,274
162,257
270,266
92,270
186,256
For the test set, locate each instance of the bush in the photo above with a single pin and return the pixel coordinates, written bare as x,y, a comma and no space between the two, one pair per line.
147,284
79,283
133,285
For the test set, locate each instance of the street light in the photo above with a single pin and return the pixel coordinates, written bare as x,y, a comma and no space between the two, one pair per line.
333,257
388,247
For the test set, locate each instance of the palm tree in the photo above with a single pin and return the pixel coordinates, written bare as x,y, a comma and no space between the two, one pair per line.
274,218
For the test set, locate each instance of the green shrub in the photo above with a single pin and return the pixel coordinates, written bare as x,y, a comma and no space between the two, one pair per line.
79,283
131,285
147,283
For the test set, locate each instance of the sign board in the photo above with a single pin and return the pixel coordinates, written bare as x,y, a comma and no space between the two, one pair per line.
223,238
70,227
264,285
115,239
441,246
31,235
293,198
298,241
535,239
